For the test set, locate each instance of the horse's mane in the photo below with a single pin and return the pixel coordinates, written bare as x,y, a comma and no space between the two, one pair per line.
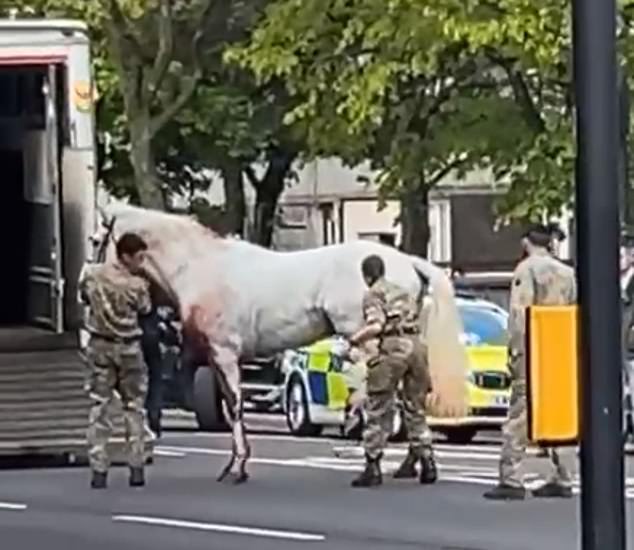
169,225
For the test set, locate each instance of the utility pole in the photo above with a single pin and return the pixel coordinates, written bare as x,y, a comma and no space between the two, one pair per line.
624,131
598,227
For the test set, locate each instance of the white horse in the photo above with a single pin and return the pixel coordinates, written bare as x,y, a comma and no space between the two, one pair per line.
238,300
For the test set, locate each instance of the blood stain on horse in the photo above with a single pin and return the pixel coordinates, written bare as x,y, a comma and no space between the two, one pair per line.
194,334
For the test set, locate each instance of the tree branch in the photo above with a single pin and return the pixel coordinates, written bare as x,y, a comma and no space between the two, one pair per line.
165,49
188,89
122,31
250,173
446,170
521,91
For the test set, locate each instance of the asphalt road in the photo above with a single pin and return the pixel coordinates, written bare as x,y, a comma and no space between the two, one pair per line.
298,497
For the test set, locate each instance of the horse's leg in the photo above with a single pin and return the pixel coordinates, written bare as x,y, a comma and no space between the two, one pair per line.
228,372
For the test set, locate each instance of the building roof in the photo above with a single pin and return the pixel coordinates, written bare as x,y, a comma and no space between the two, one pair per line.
28,24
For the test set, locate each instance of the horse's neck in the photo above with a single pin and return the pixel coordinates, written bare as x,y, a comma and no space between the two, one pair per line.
190,267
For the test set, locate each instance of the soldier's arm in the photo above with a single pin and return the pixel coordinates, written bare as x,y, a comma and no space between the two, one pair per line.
573,290
144,301
84,285
374,315
522,296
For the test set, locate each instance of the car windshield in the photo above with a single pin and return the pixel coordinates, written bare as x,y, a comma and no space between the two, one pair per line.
483,326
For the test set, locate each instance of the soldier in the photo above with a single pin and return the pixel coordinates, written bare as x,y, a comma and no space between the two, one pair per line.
116,295
391,337
627,297
557,236
538,279
151,326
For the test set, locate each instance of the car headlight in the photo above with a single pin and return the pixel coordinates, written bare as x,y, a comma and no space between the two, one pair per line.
471,377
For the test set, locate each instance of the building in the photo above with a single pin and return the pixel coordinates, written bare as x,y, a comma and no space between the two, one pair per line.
332,203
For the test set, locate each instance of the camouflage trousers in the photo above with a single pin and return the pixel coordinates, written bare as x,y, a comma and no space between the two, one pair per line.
401,360
116,369
515,440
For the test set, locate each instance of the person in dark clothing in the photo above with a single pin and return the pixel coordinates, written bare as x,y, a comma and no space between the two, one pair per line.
150,345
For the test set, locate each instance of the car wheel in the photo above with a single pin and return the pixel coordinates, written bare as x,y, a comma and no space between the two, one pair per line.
460,435
297,412
207,401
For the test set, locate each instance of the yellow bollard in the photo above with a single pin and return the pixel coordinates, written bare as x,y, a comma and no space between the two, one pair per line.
552,385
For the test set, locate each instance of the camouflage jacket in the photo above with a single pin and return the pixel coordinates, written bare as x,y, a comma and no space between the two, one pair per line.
392,307
115,298
539,279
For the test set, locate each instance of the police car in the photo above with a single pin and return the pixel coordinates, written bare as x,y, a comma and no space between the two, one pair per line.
315,391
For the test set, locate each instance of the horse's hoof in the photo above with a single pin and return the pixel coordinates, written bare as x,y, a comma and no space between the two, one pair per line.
222,477
240,478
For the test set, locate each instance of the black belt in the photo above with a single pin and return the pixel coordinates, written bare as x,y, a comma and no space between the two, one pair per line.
402,332
116,339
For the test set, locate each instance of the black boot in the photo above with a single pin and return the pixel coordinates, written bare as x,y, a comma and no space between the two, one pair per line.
99,480
137,477
407,469
371,476
552,490
506,492
428,469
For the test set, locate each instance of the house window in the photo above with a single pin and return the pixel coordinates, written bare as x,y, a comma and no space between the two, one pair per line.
439,248
292,216
379,237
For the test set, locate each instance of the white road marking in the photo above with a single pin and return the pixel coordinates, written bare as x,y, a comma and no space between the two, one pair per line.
12,506
460,473
446,451
231,529
287,437
255,437
172,454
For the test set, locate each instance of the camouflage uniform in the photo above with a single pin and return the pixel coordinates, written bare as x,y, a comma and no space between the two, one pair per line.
627,297
116,298
539,279
397,354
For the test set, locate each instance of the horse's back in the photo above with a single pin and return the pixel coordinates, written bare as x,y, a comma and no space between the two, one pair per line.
398,265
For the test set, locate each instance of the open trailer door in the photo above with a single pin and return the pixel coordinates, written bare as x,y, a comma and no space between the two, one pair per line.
42,190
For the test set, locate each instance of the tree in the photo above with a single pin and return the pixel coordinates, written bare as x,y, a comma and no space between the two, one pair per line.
200,114
151,50
154,79
384,82
530,43
242,127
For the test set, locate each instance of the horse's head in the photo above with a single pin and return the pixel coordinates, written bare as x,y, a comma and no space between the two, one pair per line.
103,240
115,219
165,234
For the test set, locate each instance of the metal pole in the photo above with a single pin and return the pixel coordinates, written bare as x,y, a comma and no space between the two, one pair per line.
624,131
602,498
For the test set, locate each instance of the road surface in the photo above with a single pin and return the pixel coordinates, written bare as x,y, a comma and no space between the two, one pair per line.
298,497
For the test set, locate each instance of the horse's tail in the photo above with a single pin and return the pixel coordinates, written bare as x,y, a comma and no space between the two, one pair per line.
441,329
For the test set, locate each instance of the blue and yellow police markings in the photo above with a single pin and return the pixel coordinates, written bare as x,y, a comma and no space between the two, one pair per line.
326,383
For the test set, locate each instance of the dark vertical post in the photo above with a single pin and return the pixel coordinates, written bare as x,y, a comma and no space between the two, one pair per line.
602,500
624,130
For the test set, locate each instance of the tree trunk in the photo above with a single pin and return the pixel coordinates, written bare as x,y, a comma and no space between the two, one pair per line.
415,220
267,194
235,207
146,178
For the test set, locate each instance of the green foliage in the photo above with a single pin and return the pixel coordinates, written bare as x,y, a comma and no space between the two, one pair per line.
423,87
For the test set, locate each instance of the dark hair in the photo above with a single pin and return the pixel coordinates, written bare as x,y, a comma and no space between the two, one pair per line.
556,231
373,267
130,244
539,235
